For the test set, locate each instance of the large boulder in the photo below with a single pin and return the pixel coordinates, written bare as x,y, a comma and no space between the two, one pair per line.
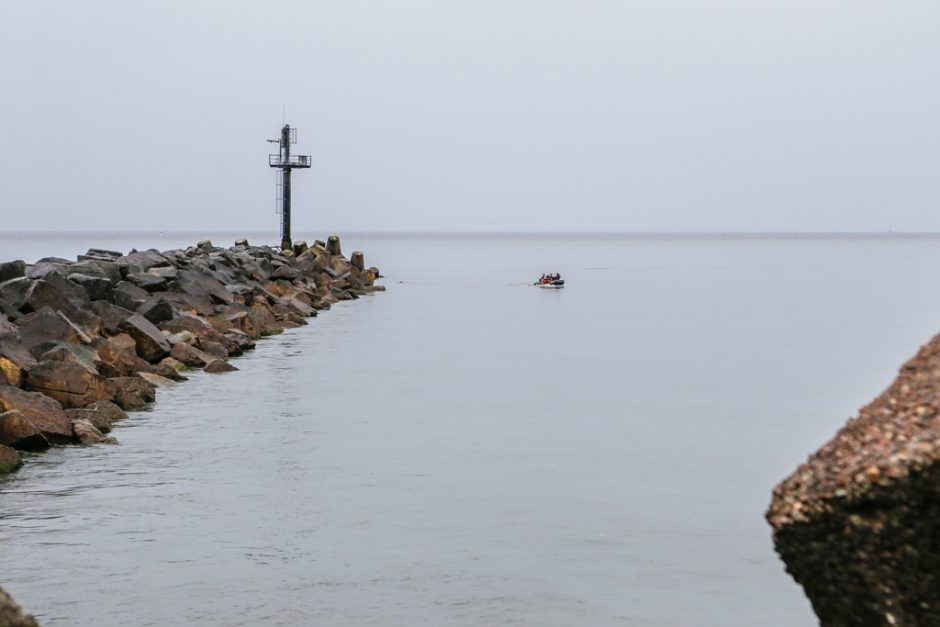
17,431
13,292
98,268
96,287
45,413
191,356
858,524
69,382
264,320
111,316
196,304
47,325
12,615
149,282
198,283
11,270
156,310
141,261
243,322
151,344
79,355
118,356
129,296
53,293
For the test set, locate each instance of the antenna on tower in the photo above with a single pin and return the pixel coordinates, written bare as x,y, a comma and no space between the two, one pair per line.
286,162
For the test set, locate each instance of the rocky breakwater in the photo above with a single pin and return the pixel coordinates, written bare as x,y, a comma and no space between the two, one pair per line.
82,342
858,525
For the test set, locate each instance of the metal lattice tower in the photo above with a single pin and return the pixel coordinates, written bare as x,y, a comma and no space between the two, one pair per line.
286,162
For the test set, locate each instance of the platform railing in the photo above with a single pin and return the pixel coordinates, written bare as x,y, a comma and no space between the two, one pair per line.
295,161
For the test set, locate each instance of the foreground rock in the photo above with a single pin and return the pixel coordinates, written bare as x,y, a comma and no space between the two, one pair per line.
12,615
81,340
858,524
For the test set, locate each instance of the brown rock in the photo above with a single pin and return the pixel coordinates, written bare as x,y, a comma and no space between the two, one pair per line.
243,322
102,414
264,320
43,412
12,615
856,524
157,380
10,460
169,362
195,325
118,356
183,337
151,345
17,431
216,349
237,342
15,360
298,304
220,365
132,392
72,384
191,356
167,371
87,433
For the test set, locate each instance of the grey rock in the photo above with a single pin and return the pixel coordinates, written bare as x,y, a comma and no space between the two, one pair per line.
11,270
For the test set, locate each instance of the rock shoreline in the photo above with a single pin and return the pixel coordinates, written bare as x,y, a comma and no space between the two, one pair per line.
82,342
858,524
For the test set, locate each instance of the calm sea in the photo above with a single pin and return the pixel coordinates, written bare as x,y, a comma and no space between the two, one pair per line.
466,449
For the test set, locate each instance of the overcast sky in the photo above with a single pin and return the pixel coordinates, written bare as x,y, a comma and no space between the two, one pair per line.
485,115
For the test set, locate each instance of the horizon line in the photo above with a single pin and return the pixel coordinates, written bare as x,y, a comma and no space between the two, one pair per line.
463,232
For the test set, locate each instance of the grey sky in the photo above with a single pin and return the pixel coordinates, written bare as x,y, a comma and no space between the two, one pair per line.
661,115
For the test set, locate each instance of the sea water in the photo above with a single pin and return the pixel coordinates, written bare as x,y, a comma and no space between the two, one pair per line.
468,449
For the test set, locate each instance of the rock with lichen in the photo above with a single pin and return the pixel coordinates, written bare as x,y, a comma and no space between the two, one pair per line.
858,524
12,615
